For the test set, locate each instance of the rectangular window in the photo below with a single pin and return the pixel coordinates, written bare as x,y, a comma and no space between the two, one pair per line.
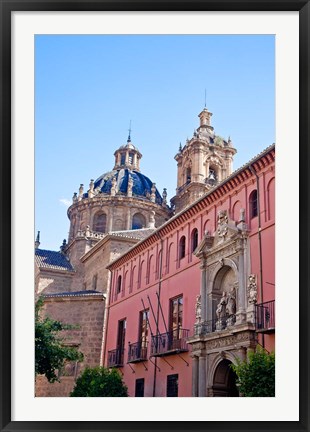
172,385
121,334
139,392
176,317
143,333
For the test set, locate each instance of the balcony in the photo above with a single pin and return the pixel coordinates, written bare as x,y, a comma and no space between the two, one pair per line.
116,357
264,317
217,324
169,343
137,352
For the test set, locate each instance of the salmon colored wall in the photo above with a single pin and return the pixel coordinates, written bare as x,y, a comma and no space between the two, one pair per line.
182,277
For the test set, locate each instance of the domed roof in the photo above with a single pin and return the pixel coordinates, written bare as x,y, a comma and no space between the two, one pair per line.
141,185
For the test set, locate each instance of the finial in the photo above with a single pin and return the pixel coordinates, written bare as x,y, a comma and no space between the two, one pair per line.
63,246
37,242
129,132
180,147
205,98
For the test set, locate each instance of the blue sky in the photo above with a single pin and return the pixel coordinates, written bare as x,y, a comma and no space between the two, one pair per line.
88,88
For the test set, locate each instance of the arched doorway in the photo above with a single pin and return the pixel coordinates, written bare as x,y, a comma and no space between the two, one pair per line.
224,381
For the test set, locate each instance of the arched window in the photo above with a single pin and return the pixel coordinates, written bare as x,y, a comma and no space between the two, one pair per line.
119,284
194,239
253,204
138,221
100,222
169,257
271,199
182,247
188,175
212,177
132,279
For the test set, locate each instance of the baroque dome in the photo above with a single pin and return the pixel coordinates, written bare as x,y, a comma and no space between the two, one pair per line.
141,184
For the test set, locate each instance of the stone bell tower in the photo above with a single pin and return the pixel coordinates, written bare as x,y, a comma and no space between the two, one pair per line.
204,161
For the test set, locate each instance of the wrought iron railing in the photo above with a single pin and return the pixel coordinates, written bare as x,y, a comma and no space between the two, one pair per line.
217,324
170,342
116,357
137,352
265,317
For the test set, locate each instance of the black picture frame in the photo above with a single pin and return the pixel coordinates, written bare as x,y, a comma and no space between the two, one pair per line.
9,6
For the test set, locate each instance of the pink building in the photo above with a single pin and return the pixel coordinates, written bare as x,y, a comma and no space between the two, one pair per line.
198,293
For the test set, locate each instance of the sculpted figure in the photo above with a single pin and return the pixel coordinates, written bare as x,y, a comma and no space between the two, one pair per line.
221,307
198,307
231,302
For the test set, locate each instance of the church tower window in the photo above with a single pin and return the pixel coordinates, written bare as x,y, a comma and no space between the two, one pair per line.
100,222
138,221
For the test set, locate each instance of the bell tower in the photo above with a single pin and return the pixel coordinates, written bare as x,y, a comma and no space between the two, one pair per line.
203,162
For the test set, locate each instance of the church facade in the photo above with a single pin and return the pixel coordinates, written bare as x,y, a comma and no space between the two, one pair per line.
171,296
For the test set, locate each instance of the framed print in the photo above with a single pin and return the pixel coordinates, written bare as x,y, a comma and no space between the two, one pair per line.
181,264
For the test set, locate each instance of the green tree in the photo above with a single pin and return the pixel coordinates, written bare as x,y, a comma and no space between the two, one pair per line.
50,351
256,375
99,382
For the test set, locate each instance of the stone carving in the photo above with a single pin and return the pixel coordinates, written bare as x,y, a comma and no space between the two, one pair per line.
231,307
221,312
198,308
81,190
231,302
215,160
226,310
152,219
227,341
252,289
153,191
164,196
222,222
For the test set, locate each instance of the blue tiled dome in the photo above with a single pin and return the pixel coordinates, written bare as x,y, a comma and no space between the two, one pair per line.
141,184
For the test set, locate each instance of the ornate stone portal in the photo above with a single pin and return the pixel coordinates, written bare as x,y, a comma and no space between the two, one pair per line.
224,329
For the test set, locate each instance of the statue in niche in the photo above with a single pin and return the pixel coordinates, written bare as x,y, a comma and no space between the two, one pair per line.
252,289
221,307
231,306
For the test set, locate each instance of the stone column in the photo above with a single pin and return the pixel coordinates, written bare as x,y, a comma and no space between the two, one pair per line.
202,383
241,313
128,219
195,376
203,289
110,219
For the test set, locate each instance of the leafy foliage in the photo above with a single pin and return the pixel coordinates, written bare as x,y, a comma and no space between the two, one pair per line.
50,352
99,382
256,375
